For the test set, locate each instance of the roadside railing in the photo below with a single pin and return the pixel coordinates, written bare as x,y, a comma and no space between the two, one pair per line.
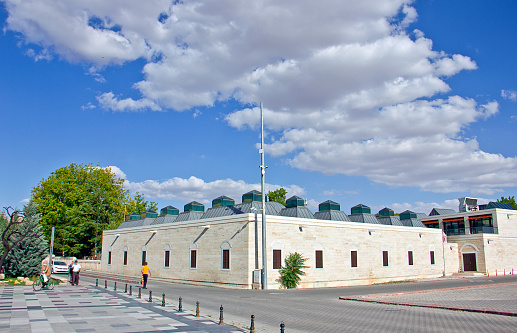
128,289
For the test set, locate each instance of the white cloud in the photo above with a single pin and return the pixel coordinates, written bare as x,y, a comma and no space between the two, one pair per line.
509,94
346,88
110,102
88,106
194,188
427,207
118,172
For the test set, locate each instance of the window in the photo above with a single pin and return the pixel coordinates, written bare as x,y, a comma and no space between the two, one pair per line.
384,258
482,224
432,257
167,258
125,257
353,258
193,258
454,226
410,258
226,258
319,259
277,259
109,257
144,257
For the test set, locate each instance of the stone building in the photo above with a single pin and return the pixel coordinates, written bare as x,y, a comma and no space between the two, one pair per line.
220,246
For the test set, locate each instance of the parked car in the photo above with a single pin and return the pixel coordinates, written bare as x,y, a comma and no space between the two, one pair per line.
59,267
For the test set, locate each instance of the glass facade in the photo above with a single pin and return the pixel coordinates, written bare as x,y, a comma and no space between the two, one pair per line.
456,227
482,224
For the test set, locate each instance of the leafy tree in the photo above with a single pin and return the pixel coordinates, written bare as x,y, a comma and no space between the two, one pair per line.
81,201
20,226
26,256
509,200
139,205
290,274
278,195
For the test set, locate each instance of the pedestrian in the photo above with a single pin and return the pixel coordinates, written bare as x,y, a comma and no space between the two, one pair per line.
45,272
76,268
71,272
146,272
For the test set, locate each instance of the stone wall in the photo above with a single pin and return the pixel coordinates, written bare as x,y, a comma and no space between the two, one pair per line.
335,239
338,239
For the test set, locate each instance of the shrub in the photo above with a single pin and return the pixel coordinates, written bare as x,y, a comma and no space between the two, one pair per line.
290,274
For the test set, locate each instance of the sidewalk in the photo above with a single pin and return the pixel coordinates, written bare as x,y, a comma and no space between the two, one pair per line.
500,299
94,309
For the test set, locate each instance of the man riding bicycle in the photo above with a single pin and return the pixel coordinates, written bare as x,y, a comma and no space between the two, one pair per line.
45,272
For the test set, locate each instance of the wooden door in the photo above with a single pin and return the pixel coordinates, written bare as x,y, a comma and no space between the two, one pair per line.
469,262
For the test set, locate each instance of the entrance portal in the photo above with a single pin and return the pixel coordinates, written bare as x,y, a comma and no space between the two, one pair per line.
469,262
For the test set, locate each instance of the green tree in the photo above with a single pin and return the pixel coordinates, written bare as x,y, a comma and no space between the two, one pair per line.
81,201
19,226
139,205
26,256
290,274
278,195
509,200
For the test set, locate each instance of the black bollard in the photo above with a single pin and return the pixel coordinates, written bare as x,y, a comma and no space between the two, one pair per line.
115,286
150,296
197,309
130,290
221,319
105,284
282,327
163,299
96,282
180,307
139,292
125,289
252,326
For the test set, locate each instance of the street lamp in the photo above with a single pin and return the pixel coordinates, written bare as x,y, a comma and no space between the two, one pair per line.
263,176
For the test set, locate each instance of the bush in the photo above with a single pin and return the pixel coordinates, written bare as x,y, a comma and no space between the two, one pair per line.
290,274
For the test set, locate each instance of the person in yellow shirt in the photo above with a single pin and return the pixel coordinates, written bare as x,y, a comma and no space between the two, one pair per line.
146,272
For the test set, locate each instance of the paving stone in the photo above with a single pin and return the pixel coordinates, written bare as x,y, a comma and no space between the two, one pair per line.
93,309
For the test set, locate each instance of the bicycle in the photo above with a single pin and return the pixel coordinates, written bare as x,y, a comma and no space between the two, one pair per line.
37,285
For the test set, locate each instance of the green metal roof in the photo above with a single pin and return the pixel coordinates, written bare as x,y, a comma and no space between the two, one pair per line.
295,201
406,215
149,214
252,196
223,200
385,212
194,206
329,205
169,210
361,209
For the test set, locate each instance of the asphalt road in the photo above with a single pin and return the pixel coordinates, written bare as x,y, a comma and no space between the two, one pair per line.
320,310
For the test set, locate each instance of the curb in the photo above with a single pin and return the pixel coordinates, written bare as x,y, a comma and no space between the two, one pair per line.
509,313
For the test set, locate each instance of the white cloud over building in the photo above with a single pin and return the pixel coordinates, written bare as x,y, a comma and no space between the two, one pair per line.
348,89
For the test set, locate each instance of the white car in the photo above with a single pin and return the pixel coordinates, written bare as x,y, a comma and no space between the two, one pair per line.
59,267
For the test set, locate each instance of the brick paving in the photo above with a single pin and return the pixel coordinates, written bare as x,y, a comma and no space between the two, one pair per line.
94,309
302,310
498,298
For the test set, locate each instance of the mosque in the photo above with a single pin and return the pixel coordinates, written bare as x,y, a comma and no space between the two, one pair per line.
220,246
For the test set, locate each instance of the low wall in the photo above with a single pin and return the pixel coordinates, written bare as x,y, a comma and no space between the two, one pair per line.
91,265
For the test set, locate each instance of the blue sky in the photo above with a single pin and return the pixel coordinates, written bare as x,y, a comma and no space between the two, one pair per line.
403,104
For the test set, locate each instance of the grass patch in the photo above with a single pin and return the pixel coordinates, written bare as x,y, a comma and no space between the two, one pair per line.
14,281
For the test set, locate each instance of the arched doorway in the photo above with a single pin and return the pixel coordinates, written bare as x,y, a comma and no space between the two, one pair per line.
469,258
